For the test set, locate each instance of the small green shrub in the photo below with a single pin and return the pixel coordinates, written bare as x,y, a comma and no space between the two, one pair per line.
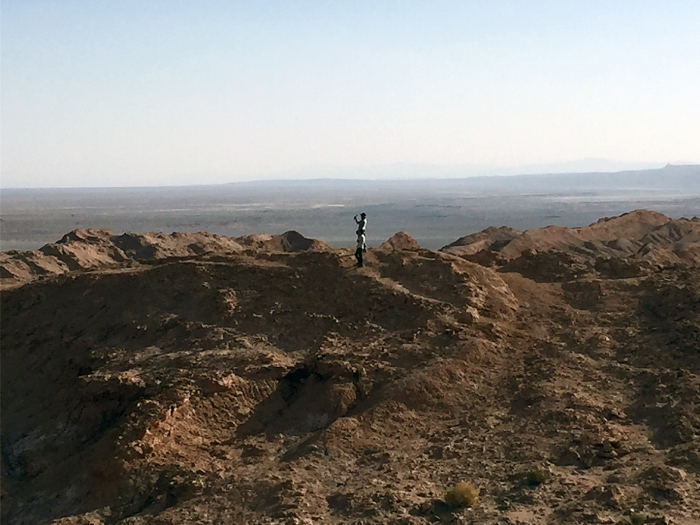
537,477
463,494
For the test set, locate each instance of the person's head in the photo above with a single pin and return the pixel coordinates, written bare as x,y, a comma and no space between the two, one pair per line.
363,215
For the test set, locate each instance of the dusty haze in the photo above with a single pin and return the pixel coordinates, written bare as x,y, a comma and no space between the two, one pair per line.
435,212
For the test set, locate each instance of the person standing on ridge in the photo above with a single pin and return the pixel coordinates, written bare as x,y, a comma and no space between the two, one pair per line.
361,239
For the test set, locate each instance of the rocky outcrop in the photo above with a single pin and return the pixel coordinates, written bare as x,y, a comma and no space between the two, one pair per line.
400,241
91,249
267,380
492,239
635,241
288,242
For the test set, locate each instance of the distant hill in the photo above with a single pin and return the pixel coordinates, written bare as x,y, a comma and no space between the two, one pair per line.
684,178
670,177
408,171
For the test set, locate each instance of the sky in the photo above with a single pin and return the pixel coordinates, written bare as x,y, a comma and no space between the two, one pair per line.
133,93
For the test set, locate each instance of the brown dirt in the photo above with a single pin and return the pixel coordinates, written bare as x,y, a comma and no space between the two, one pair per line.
640,237
90,249
191,378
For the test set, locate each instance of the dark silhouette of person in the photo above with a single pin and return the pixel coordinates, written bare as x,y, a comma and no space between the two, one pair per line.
361,224
360,249
361,238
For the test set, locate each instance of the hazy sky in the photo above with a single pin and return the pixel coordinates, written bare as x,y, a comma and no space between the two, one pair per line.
122,93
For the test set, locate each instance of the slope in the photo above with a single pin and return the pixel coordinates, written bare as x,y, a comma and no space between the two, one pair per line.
263,386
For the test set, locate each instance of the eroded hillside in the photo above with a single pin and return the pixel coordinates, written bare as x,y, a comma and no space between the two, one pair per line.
199,379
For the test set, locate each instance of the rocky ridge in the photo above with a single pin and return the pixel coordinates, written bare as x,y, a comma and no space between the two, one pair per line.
91,249
191,378
628,243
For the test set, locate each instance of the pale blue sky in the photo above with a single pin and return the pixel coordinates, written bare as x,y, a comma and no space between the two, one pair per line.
123,93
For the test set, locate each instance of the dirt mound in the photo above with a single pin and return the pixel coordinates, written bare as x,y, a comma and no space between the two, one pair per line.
628,244
634,224
156,245
400,241
287,242
491,238
264,385
90,249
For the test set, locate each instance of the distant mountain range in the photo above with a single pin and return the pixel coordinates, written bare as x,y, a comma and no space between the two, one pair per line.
674,178
417,171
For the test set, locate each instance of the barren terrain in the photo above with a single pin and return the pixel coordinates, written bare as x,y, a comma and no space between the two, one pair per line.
435,211
196,378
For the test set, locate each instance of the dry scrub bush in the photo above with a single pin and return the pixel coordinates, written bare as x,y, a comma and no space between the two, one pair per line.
463,494
537,477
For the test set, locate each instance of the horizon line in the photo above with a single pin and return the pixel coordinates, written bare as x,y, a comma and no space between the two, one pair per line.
366,179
